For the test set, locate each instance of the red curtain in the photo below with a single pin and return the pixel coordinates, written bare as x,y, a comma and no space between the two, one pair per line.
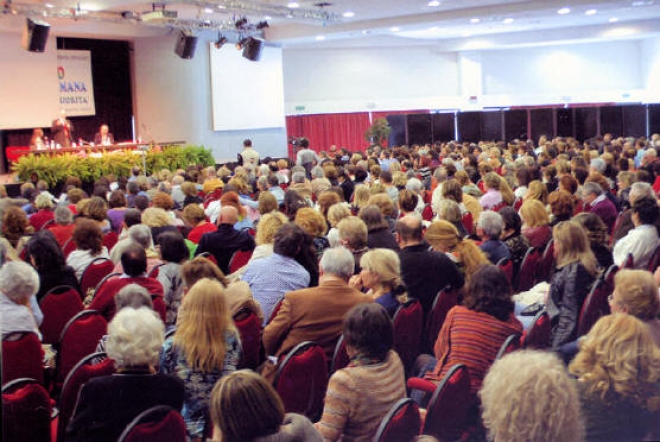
325,130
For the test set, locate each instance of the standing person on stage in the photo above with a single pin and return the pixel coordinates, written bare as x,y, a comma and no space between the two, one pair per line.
62,130
104,137
249,158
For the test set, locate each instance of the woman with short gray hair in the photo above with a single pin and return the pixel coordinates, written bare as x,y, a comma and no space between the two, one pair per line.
19,282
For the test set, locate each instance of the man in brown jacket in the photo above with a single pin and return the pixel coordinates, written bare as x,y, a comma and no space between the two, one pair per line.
314,314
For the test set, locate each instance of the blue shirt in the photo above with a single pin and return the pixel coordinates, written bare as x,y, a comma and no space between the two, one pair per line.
495,250
270,278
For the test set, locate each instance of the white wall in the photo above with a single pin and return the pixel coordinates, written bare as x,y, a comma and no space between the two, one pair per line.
172,100
651,68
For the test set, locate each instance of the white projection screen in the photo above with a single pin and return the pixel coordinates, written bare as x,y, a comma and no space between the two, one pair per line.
246,94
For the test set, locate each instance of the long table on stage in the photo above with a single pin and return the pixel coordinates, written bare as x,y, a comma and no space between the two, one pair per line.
15,152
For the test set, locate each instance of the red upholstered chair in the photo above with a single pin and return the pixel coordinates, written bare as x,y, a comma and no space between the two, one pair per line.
94,273
22,357
277,308
468,223
654,262
629,263
538,334
595,305
401,423
103,281
110,239
408,325
447,414
547,263
609,275
79,376
506,265
340,358
499,206
59,305
427,213
517,204
444,301
249,328
26,412
239,259
209,256
157,424
79,339
512,343
302,379
155,270
68,247
528,268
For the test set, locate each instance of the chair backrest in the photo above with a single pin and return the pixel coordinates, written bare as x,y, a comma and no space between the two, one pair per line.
22,357
506,265
654,262
408,325
157,424
512,343
427,213
58,305
104,280
401,423
528,268
538,334
239,259
547,262
444,301
629,263
79,339
517,204
595,305
110,239
209,256
609,275
468,222
447,411
249,328
340,358
302,379
155,270
94,273
79,375
277,308
26,411
68,247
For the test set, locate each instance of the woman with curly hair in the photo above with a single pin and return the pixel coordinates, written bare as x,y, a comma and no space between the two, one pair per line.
89,245
315,225
618,371
516,395
204,348
444,237
15,227
473,332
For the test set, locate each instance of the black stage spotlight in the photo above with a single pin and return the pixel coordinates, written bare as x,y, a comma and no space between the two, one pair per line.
221,41
241,23
262,25
186,45
35,35
252,49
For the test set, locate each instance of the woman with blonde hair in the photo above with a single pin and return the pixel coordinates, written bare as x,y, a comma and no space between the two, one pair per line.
528,396
445,238
618,371
315,225
245,407
537,191
361,196
570,284
336,213
636,293
381,274
536,223
204,348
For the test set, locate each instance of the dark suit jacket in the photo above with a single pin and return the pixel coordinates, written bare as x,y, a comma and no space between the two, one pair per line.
313,314
98,140
107,404
59,134
223,243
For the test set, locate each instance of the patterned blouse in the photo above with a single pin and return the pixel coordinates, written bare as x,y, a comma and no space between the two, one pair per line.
198,385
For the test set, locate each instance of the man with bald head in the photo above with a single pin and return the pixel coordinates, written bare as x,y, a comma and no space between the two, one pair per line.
226,240
424,271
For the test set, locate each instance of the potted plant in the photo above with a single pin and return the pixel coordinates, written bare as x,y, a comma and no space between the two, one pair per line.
378,132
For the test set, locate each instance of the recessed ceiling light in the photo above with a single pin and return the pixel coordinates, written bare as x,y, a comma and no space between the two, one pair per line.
591,12
208,10
508,21
475,20
348,14
366,31
563,11
293,5
395,29
268,17
320,37
49,5
613,20
433,3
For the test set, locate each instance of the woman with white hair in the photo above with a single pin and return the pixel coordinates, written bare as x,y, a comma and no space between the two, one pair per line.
107,404
19,311
141,235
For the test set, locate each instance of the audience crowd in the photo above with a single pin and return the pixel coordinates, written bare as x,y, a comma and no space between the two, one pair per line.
334,245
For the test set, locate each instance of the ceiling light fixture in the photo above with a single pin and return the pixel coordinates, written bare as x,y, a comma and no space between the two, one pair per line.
564,11
293,5
508,21
433,3
348,14
613,20
475,20
49,5
395,29
320,37
221,41
591,12
208,10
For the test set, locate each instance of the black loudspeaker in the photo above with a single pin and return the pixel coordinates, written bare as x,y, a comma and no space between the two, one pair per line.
252,49
186,45
35,35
